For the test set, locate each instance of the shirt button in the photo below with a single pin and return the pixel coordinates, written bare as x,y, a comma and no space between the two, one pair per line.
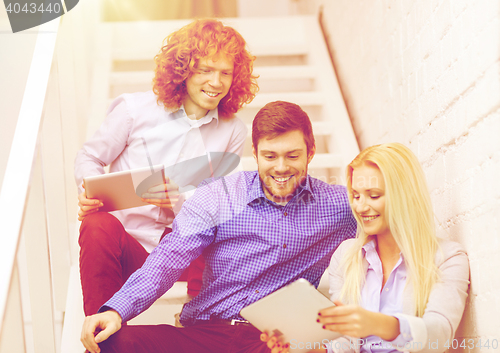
285,214
257,291
284,246
387,289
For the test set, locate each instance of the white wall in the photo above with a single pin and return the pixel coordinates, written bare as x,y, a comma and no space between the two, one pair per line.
427,73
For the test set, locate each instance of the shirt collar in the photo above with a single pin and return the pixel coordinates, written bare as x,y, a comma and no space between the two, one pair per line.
256,192
371,247
212,114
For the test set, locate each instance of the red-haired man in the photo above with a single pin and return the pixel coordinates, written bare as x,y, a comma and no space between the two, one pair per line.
203,76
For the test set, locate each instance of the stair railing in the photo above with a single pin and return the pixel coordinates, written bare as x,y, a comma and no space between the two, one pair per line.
27,305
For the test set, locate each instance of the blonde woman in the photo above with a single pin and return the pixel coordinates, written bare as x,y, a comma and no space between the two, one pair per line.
396,286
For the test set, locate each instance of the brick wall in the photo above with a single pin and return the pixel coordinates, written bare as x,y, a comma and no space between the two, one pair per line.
426,73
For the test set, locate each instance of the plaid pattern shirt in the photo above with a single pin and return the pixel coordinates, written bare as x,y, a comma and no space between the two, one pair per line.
252,246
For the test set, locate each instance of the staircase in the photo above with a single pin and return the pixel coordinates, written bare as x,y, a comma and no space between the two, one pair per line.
293,64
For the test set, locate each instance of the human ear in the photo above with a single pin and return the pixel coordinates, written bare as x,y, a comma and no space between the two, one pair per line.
254,152
311,154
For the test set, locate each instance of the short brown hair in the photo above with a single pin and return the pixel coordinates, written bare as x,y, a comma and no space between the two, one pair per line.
277,118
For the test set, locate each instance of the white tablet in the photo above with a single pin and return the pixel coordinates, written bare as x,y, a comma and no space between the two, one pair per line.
292,312
122,190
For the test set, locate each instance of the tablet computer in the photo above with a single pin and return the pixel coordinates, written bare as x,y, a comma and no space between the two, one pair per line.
121,190
291,313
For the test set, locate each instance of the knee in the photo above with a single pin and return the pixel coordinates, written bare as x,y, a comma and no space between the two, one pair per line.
118,342
127,339
99,227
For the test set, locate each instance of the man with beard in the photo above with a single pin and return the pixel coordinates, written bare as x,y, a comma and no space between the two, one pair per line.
259,231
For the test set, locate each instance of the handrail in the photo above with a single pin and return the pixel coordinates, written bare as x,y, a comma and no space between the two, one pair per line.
16,183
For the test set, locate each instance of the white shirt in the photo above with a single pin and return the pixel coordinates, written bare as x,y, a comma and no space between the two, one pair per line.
171,138
443,311
387,299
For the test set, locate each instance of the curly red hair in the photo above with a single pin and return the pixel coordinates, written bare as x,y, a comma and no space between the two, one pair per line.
205,38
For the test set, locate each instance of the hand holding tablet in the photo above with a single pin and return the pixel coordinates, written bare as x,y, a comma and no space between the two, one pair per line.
164,195
87,206
121,190
290,313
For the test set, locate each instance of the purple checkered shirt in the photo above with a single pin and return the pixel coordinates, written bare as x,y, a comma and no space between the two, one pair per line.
252,246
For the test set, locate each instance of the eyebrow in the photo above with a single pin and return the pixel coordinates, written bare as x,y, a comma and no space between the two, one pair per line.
293,151
368,190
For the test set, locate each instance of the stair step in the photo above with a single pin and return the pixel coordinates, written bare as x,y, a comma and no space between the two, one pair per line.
131,77
148,51
265,73
285,72
279,50
320,128
300,98
320,160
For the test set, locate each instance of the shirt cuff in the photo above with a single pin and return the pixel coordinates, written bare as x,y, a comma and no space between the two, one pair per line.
329,347
404,332
121,307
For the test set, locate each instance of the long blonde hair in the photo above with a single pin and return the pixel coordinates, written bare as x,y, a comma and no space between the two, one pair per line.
409,214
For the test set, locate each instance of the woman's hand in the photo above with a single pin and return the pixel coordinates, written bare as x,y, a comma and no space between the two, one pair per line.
274,343
353,320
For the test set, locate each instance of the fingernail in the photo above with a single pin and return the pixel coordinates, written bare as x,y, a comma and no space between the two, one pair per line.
324,326
319,314
317,320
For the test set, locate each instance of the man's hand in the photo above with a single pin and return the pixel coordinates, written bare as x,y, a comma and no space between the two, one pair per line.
104,324
163,195
87,206
276,346
274,343
353,320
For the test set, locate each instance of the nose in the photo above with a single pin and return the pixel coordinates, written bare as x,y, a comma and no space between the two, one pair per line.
281,165
360,205
215,80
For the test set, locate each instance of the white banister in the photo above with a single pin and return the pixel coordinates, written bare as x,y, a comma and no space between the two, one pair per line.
18,173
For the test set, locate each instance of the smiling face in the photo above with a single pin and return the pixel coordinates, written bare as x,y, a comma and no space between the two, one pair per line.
368,191
209,83
282,164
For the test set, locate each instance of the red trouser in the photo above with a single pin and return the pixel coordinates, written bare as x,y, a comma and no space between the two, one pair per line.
109,255
217,338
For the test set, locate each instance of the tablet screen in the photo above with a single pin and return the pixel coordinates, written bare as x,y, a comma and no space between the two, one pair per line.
292,312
